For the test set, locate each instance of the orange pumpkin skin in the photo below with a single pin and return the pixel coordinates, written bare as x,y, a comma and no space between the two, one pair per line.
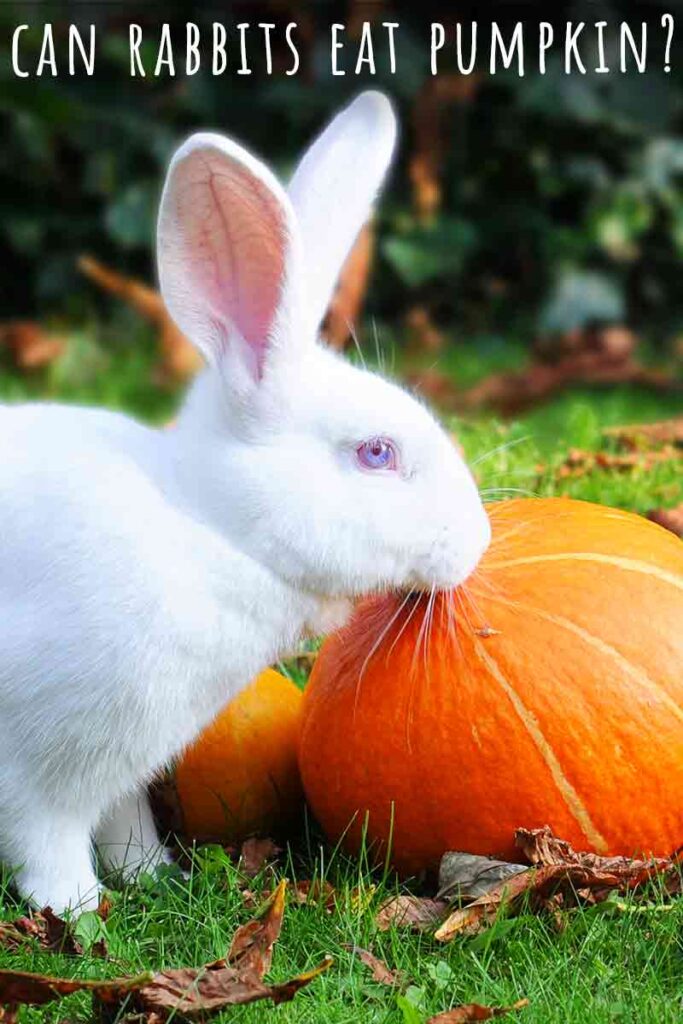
549,690
241,777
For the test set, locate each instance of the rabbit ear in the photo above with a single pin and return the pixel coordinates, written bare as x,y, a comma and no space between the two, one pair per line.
333,189
226,248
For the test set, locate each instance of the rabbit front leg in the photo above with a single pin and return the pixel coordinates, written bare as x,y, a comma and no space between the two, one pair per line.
56,866
127,839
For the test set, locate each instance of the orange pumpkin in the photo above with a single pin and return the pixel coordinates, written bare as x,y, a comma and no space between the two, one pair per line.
241,778
546,690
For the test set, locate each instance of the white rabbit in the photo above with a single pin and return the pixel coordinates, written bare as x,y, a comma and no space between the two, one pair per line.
146,576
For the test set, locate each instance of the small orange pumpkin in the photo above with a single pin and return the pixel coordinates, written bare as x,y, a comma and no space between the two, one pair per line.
240,777
548,690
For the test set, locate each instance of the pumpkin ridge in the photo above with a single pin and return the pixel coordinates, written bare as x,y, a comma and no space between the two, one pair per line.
634,672
629,564
564,787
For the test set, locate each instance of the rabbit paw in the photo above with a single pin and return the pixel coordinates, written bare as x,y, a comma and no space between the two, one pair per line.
127,840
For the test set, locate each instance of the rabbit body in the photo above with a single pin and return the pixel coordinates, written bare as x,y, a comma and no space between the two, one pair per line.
146,576
104,677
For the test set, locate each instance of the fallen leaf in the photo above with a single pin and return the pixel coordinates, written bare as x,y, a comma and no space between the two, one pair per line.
310,894
255,854
104,907
380,972
199,993
249,898
669,518
542,847
22,988
45,929
466,876
188,992
315,893
406,911
673,878
560,877
252,944
475,1011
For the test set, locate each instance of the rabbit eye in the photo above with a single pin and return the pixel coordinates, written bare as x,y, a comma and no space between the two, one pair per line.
377,453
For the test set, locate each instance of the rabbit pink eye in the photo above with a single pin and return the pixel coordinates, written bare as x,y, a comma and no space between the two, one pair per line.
377,453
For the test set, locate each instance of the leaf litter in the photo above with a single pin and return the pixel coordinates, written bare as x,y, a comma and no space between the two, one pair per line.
381,973
554,877
256,854
470,1012
418,913
42,928
187,992
559,878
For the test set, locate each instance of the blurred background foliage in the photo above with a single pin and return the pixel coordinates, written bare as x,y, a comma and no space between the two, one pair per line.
517,206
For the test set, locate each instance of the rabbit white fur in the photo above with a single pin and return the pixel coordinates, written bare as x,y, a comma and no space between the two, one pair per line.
146,576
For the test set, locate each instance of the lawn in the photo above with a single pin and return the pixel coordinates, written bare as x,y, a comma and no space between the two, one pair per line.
617,962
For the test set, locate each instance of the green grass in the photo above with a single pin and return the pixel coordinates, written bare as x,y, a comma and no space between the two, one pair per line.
607,966
543,438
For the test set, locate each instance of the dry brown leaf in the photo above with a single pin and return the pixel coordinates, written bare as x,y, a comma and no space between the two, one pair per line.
104,907
475,1011
466,876
199,994
670,518
255,854
542,847
311,894
249,898
22,988
315,893
43,928
416,912
188,992
559,878
252,944
380,972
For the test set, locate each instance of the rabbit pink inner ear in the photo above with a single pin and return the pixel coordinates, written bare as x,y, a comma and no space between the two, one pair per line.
234,236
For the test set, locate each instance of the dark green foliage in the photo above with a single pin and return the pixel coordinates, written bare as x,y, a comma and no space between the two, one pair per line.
543,176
